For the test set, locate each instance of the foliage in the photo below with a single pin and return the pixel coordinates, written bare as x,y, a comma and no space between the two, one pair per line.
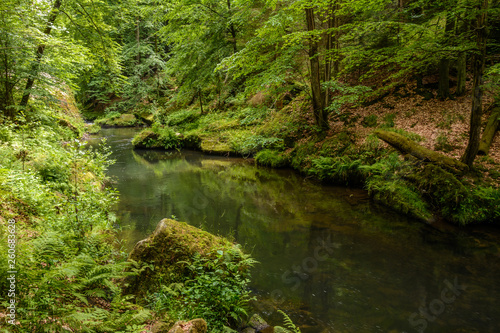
69,272
215,289
289,323
271,158
340,169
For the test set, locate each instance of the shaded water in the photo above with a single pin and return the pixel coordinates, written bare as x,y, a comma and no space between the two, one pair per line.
330,258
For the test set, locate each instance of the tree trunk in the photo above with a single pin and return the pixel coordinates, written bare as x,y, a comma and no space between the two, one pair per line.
317,93
407,146
461,74
444,78
336,24
7,102
39,54
138,41
478,61
201,101
444,63
232,29
489,132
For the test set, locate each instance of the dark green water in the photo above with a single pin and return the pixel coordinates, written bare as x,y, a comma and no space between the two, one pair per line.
328,257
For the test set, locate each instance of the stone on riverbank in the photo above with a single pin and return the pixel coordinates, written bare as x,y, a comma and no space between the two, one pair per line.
170,249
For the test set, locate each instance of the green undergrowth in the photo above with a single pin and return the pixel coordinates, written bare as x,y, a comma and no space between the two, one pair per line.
286,138
116,119
213,287
68,267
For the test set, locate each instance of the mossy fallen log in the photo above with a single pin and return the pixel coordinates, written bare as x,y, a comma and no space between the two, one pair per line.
489,132
407,146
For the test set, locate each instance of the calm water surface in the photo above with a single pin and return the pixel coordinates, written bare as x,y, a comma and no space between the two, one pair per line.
328,257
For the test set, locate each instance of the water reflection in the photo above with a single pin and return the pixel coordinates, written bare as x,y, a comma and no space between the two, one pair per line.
330,258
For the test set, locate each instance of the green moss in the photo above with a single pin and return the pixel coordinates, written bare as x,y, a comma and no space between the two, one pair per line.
115,119
369,121
93,128
171,248
339,169
400,196
146,139
272,158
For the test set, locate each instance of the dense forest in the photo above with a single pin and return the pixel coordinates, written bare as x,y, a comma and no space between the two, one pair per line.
401,98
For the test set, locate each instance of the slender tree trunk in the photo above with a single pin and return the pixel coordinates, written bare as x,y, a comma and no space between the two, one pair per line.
232,29
461,74
201,101
329,49
478,61
39,54
315,75
336,24
444,78
8,101
138,41
444,63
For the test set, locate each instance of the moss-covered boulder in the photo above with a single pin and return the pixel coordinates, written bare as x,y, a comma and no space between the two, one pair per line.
192,326
169,250
147,139
123,120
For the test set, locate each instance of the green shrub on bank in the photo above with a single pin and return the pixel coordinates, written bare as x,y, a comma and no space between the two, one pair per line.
340,169
214,289
399,195
158,137
68,270
271,158
115,119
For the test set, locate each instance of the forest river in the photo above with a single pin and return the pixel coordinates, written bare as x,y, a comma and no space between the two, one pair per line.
330,258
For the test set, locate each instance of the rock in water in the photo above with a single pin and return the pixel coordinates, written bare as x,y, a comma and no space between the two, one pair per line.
170,249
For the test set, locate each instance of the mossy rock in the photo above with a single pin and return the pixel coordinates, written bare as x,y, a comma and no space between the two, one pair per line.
192,141
146,139
124,120
68,124
146,118
215,146
194,326
170,249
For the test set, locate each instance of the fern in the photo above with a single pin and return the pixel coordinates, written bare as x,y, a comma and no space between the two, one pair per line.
289,323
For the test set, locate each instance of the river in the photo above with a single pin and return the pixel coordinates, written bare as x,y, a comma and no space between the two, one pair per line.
329,257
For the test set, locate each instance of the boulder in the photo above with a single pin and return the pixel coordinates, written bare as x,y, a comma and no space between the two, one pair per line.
194,326
169,251
256,322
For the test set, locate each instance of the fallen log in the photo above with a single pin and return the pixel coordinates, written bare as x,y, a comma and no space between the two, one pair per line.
489,132
407,146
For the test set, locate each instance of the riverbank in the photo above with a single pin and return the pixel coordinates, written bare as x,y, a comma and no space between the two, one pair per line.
349,153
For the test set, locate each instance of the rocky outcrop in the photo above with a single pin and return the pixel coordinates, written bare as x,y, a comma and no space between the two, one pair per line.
168,252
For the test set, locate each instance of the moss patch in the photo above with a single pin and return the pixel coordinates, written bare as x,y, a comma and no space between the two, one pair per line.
117,120
170,249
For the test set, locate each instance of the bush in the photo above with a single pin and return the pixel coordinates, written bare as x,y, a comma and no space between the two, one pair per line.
340,169
271,158
255,143
214,289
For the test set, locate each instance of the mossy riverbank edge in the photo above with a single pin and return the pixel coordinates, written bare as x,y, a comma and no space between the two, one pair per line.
419,188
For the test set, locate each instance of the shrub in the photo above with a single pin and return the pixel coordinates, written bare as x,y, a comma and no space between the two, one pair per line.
340,169
215,289
369,121
271,158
